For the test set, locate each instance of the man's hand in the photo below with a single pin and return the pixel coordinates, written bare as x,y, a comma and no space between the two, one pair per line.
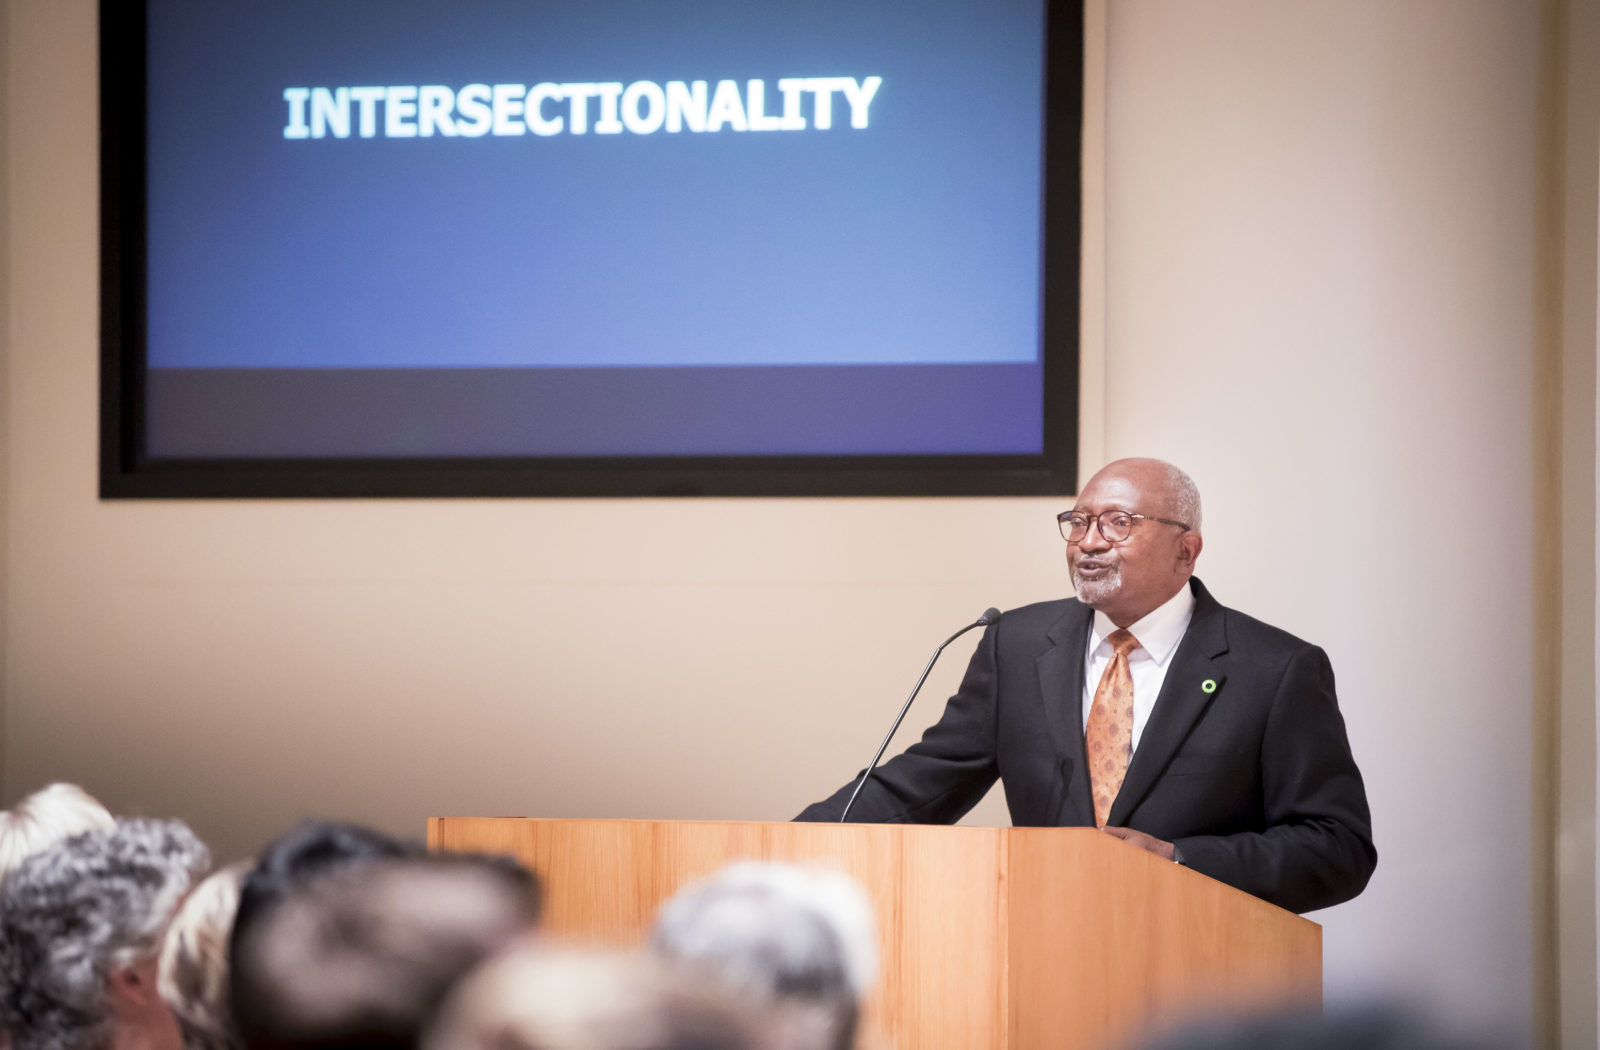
1160,847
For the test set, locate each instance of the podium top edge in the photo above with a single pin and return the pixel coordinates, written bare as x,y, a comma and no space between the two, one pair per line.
775,823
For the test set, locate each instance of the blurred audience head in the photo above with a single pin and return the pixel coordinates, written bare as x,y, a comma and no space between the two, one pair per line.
46,817
540,998
81,925
361,956
309,850
193,975
1375,1027
803,941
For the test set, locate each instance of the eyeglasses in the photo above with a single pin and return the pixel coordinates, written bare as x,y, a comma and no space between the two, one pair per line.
1115,525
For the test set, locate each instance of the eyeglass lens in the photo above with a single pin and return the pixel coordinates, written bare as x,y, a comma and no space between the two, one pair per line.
1113,526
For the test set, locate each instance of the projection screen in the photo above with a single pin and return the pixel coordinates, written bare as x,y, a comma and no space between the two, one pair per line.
589,247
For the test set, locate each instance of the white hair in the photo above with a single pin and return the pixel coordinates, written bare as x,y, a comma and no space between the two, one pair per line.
779,931
46,817
1185,496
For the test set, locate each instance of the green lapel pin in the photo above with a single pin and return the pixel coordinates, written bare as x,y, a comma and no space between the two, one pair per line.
1208,686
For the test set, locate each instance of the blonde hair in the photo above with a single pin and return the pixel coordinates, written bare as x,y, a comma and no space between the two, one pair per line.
193,975
45,818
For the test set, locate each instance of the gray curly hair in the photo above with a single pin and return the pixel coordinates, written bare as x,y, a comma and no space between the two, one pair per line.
74,914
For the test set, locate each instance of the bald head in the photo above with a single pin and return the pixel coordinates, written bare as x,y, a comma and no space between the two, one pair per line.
1130,577
1172,490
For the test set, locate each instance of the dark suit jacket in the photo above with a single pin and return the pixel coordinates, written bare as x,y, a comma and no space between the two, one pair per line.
1253,780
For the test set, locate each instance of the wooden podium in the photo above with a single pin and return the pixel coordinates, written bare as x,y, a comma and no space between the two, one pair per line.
988,937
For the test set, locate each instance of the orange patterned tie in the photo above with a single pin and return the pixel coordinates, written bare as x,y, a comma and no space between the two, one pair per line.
1110,732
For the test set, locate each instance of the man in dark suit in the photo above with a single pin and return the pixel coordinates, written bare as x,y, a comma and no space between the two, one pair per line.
1216,740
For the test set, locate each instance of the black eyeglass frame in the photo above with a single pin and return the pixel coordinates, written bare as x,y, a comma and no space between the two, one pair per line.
1091,520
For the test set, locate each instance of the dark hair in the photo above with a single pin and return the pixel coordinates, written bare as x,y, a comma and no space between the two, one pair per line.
309,849
361,957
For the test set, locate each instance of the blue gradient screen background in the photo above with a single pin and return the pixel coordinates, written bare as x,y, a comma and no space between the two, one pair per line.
716,266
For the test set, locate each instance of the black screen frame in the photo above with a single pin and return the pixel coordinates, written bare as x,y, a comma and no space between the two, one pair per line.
128,471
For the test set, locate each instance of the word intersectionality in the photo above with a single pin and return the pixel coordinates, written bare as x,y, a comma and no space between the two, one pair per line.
642,107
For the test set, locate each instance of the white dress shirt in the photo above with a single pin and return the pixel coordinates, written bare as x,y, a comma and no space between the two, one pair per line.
1158,634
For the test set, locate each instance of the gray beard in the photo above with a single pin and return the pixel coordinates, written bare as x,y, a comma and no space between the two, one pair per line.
1093,592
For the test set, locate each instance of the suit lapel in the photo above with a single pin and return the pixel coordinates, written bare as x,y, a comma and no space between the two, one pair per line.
1061,685
1182,699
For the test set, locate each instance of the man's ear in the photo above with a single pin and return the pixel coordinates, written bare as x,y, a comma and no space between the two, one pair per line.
1189,545
133,984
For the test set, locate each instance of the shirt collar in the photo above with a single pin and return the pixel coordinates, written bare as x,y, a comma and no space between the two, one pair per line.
1159,632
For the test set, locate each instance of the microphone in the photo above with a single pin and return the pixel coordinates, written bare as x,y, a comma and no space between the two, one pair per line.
989,616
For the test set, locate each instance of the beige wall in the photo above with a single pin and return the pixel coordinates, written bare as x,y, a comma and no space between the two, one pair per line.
1321,248
1321,265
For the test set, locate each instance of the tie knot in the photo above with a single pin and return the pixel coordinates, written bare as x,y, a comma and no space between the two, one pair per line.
1122,641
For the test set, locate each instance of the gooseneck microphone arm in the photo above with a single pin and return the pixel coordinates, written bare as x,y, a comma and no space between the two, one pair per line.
989,616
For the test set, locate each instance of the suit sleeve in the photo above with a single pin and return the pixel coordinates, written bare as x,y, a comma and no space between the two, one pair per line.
1316,847
943,775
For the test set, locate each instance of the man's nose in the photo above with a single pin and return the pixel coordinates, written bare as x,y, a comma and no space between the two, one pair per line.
1094,539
